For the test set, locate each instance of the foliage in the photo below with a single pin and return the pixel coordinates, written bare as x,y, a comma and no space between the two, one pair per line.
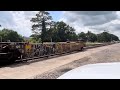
61,32
42,22
11,35
107,37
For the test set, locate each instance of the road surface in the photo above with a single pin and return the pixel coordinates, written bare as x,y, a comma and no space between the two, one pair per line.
54,67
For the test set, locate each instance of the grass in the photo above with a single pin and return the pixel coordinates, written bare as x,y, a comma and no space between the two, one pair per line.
92,43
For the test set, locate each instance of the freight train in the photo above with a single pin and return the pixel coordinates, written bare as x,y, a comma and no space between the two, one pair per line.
12,51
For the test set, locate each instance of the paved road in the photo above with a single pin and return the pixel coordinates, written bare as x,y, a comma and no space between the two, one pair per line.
30,70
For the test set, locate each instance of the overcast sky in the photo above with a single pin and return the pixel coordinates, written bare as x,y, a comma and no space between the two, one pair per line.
82,21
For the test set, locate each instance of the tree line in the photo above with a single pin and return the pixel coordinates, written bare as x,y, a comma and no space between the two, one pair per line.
46,30
102,37
10,35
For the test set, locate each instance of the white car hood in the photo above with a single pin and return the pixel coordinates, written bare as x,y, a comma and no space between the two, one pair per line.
94,71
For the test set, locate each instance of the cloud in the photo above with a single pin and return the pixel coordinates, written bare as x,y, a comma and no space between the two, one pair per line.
95,21
23,24
89,18
93,13
18,21
6,19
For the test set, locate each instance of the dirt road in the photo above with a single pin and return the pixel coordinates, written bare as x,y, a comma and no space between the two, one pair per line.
52,68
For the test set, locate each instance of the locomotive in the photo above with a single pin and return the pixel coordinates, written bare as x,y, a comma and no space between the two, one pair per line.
12,51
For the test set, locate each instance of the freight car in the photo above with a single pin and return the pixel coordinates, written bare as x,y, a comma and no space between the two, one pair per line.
12,51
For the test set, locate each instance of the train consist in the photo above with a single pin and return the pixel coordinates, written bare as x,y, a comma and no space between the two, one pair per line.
12,51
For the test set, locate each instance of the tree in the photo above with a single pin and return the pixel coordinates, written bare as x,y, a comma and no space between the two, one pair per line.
113,37
11,35
42,22
82,35
106,37
70,34
35,38
91,36
62,32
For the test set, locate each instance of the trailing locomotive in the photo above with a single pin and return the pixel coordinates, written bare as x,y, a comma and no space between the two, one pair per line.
12,51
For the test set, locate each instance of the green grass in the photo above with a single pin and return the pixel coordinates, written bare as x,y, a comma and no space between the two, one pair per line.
92,44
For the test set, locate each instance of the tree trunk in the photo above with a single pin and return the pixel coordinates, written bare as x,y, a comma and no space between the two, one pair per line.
43,31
